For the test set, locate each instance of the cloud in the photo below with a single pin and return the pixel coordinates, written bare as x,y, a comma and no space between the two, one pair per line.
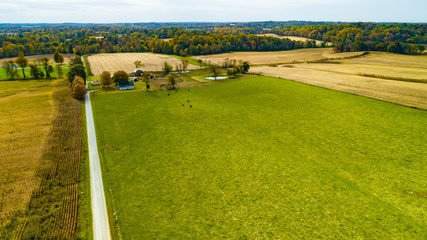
110,11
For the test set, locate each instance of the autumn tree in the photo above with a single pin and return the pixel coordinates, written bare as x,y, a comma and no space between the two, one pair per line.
120,76
215,69
35,71
76,70
244,68
106,79
171,80
78,88
9,67
167,68
184,64
22,62
78,51
146,79
76,60
59,59
138,64
47,67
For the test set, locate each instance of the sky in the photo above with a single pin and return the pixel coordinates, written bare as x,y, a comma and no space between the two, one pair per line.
121,11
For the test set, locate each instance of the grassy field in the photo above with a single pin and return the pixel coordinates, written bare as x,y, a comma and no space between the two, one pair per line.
257,58
54,74
113,62
35,58
262,158
391,77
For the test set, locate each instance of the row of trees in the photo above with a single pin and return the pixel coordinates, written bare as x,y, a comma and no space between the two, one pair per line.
115,38
79,40
398,38
11,66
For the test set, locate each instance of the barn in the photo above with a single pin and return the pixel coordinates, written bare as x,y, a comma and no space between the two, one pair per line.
138,72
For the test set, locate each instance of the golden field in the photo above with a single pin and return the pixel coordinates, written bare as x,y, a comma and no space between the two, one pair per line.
293,38
391,77
113,62
257,58
25,120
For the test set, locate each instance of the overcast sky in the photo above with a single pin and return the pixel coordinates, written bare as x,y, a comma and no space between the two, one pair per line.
115,11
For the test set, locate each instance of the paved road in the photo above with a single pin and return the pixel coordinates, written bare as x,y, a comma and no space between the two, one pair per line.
101,228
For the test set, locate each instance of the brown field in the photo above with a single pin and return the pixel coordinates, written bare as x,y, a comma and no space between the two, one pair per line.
35,58
348,76
293,38
40,147
26,112
299,55
113,62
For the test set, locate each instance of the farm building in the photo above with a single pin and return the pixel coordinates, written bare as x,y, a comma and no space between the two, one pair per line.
125,85
138,72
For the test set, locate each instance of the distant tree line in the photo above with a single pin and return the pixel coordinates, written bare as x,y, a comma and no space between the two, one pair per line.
197,39
398,38
109,39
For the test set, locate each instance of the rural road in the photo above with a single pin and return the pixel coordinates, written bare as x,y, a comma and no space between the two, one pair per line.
101,227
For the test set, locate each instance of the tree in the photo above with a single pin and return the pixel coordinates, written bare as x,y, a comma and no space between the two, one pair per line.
138,64
215,69
10,69
77,60
244,68
78,51
76,70
35,71
184,64
120,76
146,78
167,68
22,62
78,88
58,57
106,79
47,68
77,80
171,80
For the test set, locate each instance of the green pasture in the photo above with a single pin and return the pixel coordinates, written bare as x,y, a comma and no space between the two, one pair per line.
262,158
54,74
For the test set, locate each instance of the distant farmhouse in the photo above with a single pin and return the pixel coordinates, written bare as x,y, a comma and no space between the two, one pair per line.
125,85
138,72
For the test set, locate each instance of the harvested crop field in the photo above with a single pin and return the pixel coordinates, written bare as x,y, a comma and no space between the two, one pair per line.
26,112
293,38
300,55
113,62
391,77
